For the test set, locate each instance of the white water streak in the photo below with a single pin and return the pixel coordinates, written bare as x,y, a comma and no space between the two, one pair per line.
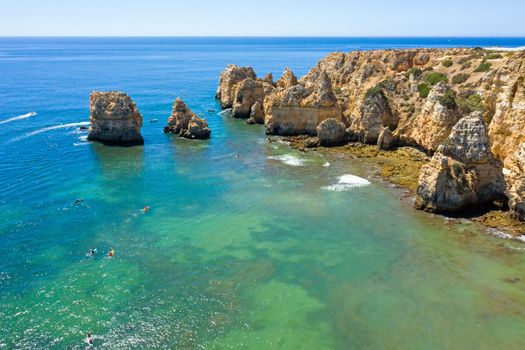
20,117
49,128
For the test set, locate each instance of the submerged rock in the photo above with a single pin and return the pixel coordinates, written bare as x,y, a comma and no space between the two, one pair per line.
463,172
114,119
185,123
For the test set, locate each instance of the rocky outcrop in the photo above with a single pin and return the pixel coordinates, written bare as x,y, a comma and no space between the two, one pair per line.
331,132
257,113
114,119
185,123
514,172
397,98
231,77
375,115
463,172
248,93
298,109
436,119
386,140
287,80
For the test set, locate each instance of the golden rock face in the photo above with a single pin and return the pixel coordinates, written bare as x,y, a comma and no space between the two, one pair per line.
114,119
419,95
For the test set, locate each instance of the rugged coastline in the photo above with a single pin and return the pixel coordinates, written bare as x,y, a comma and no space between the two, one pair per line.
454,117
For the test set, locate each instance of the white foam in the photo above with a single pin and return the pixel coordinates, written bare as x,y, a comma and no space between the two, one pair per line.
83,142
498,48
49,128
289,159
347,182
225,111
20,117
326,165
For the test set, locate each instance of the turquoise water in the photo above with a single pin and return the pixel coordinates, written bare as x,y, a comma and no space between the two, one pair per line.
247,245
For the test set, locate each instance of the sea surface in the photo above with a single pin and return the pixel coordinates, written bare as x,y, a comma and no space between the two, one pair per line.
248,244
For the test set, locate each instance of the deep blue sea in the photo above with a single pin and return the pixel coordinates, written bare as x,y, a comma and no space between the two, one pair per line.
248,244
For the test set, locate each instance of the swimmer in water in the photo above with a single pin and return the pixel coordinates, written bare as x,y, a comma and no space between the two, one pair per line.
145,209
91,252
111,253
78,201
89,339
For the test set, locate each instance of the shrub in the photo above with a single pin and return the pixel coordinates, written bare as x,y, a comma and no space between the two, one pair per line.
471,103
424,90
460,78
436,77
465,59
483,67
387,84
416,72
493,56
378,89
448,99
466,65
447,63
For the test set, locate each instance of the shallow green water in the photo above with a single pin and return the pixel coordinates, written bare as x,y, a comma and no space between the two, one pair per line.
246,245
253,253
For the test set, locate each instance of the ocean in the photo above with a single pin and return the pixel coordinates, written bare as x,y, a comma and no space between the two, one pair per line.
248,244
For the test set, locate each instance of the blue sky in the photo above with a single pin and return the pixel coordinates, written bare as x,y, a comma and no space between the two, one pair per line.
263,17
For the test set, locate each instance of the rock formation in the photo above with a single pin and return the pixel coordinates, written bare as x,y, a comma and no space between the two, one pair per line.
114,119
515,176
386,140
396,98
230,78
248,92
288,79
463,172
298,109
436,119
331,132
185,123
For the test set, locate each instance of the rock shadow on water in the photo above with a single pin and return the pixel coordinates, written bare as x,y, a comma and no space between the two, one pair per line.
119,162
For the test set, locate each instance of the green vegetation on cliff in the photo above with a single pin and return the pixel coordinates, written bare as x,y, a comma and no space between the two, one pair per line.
471,103
436,77
423,89
483,67
460,78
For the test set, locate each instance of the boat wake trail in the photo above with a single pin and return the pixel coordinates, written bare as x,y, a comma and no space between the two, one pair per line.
49,128
20,117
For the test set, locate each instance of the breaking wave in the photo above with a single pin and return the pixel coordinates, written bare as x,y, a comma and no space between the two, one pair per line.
20,117
347,182
289,159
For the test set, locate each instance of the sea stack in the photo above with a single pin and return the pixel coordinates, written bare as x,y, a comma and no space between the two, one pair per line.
115,119
185,123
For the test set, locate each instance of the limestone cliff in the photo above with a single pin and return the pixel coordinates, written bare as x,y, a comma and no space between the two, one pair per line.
463,172
114,119
417,98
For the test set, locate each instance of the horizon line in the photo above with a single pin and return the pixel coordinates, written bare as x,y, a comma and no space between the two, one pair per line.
276,36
